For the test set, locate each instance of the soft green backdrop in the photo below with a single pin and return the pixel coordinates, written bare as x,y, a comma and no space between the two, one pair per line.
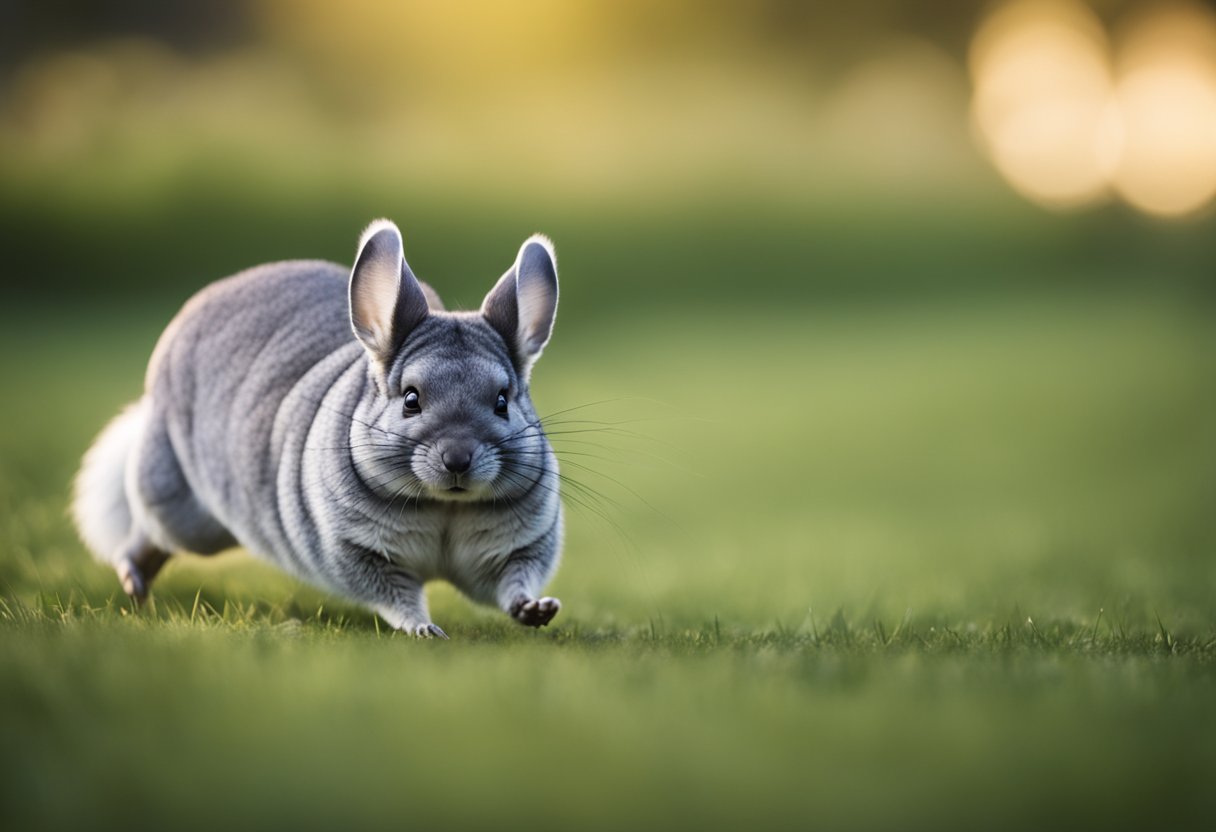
892,499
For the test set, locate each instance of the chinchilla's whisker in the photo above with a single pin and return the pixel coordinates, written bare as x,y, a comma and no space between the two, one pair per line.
387,478
622,432
584,407
586,500
537,431
531,427
591,470
345,414
562,453
606,428
596,422
521,480
508,503
616,400
631,455
628,456
350,476
590,493
403,474
515,437
413,494
587,491
371,426
615,481
550,418
335,491
562,441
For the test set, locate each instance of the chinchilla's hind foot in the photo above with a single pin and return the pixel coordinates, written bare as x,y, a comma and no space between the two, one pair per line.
535,612
138,566
428,631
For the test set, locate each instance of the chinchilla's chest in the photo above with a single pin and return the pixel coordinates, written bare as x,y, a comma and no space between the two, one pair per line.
457,543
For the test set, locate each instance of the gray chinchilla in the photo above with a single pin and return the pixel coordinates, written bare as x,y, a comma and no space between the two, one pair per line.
365,464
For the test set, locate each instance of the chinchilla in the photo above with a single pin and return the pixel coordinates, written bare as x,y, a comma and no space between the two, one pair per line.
350,431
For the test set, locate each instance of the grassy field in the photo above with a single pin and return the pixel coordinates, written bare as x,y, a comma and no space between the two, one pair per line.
935,564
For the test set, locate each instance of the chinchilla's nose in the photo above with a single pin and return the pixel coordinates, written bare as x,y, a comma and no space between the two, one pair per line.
458,456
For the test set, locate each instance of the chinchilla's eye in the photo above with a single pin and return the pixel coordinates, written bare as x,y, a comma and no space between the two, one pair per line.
500,406
412,407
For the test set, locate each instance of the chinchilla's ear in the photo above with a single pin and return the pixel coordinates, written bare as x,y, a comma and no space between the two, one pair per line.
523,304
386,300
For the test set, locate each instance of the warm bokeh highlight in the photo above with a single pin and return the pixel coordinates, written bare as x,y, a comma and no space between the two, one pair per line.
1067,117
1167,100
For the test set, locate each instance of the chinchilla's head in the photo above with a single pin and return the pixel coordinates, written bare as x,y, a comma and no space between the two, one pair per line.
448,415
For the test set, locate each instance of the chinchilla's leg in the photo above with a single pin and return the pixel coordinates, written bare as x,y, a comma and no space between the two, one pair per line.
396,595
138,565
524,574
163,503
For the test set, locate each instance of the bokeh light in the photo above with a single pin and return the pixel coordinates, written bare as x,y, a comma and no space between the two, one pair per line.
1066,124
1042,99
1167,104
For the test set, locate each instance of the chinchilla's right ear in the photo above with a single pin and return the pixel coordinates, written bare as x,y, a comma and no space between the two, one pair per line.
386,300
523,303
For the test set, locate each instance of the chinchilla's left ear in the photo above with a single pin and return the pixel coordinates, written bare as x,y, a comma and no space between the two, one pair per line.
386,300
523,304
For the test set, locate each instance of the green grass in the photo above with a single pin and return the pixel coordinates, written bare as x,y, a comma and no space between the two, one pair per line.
935,564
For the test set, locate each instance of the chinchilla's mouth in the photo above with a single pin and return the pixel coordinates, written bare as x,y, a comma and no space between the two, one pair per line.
457,490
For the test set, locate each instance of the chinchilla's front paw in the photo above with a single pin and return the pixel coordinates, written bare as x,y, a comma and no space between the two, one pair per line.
535,612
411,621
427,630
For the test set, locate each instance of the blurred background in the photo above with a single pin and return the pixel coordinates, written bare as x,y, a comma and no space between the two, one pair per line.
887,317
895,147
881,307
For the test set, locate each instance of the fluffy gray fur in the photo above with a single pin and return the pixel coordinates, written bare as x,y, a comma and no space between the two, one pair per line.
264,423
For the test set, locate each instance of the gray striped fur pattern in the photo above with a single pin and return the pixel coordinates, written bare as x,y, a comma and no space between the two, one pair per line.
365,464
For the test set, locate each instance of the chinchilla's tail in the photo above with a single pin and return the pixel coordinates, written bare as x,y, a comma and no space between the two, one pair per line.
99,501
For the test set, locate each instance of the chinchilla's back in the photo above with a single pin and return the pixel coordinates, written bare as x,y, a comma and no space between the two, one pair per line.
288,314
220,377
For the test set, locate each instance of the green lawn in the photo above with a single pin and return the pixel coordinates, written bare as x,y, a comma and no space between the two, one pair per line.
920,565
